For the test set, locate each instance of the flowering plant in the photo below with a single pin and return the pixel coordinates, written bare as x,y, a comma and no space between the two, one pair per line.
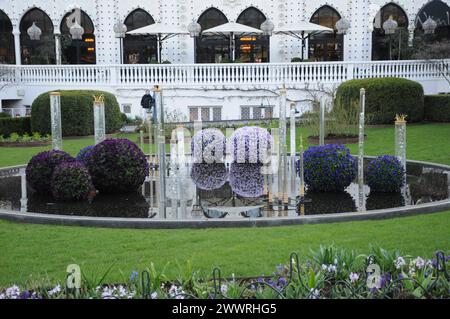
209,176
40,168
208,146
84,153
385,174
117,166
329,168
251,144
246,180
71,181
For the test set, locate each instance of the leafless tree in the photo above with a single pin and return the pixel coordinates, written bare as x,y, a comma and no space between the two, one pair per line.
438,54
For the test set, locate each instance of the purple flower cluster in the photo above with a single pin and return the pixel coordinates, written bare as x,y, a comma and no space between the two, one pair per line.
251,144
208,146
209,176
117,166
71,181
40,169
246,180
84,153
385,174
329,168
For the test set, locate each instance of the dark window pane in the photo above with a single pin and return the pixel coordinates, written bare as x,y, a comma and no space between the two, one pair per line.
326,46
77,51
439,12
40,51
245,113
217,114
139,48
205,114
252,48
7,55
211,49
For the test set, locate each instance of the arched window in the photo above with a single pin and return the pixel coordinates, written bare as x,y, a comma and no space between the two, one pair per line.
439,12
40,51
387,47
212,48
139,48
7,40
252,48
77,51
326,46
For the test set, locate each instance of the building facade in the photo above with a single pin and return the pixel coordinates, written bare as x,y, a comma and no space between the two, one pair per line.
200,84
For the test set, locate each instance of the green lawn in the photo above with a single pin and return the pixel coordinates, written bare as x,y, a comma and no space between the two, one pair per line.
427,142
33,251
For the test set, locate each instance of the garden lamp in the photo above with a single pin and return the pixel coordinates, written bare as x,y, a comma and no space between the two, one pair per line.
194,29
342,26
429,26
120,29
76,31
267,27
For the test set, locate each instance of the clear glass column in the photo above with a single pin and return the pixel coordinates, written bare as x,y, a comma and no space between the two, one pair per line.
361,195
55,113
99,119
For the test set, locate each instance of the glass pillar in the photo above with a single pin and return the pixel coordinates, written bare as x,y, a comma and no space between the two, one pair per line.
361,195
55,113
99,119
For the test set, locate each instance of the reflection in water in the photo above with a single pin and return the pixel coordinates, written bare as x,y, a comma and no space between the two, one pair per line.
424,184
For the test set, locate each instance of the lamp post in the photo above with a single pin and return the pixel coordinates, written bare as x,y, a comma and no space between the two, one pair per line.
267,27
342,27
429,27
194,29
120,30
34,32
77,31
390,27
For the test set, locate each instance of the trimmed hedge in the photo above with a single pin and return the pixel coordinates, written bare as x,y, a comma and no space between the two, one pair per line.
437,108
19,125
385,97
77,115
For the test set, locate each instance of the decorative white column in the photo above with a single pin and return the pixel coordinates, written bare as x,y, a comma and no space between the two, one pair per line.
322,122
282,173
99,119
293,173
361,195
400,139
16,33
161,150
58,48
55,112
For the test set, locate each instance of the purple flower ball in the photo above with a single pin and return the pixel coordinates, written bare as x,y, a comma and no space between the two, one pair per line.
251,145
246,180
209,176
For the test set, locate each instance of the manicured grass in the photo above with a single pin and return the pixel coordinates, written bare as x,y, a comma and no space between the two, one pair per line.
35,251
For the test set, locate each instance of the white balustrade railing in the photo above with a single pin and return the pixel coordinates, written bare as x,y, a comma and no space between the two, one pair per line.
129,75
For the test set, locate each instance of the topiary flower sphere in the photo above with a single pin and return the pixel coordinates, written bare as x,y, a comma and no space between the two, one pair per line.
40,169
246,180
208,146
385,174
117,166
250,144
71,181
329,168
209,176
84,153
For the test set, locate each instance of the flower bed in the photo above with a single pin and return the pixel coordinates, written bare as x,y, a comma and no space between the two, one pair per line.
328,273
25,140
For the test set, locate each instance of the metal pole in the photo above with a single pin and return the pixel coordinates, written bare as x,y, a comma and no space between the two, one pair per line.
293,151
282,173
322,122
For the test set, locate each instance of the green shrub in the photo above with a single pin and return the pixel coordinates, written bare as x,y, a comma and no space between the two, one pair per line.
437,108
5,115
19,125
77,114
385,97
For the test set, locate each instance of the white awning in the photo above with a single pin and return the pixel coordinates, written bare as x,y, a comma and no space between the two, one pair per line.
159,28
302,26
232,28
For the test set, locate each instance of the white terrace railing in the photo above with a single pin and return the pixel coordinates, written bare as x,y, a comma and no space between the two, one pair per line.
130,75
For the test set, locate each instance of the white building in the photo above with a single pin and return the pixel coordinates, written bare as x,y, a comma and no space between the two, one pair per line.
198,83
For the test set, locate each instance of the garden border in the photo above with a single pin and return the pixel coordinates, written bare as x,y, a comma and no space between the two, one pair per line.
144,223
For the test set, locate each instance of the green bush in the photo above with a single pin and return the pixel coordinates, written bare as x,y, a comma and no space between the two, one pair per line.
5,115
385,97
77,115
437,108
19,125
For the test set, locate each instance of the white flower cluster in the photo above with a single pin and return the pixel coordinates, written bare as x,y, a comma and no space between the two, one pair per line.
251,144
176,292
224,289
399,262
12,292
208,146
314,294
329,268
119,292
54,291
354,277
